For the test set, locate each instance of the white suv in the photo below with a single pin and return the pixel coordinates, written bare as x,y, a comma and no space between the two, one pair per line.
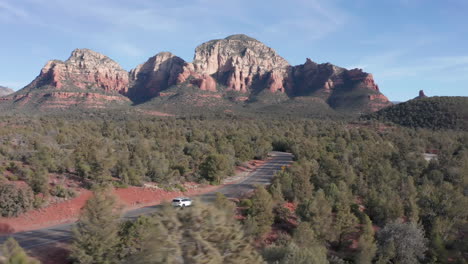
182,202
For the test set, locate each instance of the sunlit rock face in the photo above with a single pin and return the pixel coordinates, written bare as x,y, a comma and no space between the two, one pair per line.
85,69
240,62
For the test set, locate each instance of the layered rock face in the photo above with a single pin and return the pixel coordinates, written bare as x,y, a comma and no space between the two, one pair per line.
5,91
85,69
336,85
162,71
158,73
239,62
311,77
86,79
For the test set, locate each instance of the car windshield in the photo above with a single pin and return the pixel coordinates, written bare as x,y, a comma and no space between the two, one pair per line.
186,200
176,200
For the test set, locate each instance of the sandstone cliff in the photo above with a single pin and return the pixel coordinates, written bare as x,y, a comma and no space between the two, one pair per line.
241,63
86,78
85,69
238,63
155,75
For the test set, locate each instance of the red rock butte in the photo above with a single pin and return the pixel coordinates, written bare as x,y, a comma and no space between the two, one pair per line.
237,63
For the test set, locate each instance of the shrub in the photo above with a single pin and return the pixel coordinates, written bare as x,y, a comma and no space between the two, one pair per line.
62,192
14,200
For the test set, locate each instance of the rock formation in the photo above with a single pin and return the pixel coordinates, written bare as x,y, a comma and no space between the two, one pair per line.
85,69
5,91
86,78
421,94
158,73
236,63
240,63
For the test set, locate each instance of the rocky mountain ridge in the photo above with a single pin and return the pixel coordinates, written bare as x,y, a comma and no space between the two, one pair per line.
237,63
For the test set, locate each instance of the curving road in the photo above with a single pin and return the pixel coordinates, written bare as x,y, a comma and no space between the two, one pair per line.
262,176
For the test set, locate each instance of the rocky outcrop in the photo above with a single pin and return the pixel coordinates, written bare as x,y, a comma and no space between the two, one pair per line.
162,71
240,62
155,75
5,91
377,101
236,63
311,77
366,79
338,86
85,69
421,94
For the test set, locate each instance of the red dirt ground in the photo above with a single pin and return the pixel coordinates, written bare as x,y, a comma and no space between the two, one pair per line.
130,198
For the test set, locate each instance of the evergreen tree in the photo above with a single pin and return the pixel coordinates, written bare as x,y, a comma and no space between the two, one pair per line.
318,212
132,234
95,237
200,234
345,223
223,203
39,180
366,244
306,248
215,168
262,210
12,253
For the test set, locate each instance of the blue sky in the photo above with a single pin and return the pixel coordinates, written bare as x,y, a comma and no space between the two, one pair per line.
407,44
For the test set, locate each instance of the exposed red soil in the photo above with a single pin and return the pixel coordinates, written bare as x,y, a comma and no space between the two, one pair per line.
52,215
130,198
155,113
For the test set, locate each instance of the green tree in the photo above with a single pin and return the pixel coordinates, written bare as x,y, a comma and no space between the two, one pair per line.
262,210
215,168
132,234
306,247
366,244
298,255
39,180
12,253
318,212
200,234
223,203
15,200
95,238
345,223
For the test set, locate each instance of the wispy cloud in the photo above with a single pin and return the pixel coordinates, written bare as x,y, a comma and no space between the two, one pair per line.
11,13
442,68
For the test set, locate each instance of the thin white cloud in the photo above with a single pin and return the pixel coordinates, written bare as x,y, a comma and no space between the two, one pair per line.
10,12
443,68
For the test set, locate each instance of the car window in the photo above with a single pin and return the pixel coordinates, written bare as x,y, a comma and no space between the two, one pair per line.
186,200
176,200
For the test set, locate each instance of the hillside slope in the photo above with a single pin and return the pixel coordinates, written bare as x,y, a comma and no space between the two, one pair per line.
427,112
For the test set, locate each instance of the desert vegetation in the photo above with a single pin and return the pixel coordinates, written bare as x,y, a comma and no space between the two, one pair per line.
356,193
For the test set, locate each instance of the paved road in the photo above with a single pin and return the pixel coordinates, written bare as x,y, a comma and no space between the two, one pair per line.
262,175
